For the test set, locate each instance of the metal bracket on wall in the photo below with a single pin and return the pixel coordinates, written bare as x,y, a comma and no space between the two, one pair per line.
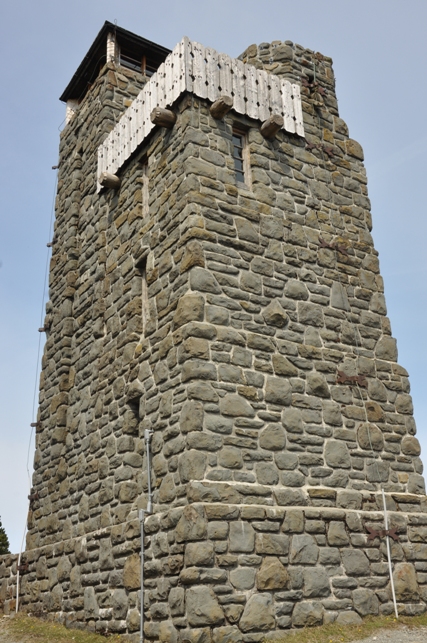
343,378
381,533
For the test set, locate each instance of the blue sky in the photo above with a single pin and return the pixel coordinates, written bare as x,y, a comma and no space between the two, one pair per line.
379,51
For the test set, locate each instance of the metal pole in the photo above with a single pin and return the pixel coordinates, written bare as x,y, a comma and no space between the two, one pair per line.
141,522
389,556
147,436
142,512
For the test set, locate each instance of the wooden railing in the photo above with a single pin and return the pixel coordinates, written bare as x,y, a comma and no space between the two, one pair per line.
190,67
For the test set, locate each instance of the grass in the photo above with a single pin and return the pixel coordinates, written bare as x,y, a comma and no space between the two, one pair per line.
334,633
29,629
36,630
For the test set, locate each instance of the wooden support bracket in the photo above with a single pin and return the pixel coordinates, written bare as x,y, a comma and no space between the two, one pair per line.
271,126
108,180
163,117
221,106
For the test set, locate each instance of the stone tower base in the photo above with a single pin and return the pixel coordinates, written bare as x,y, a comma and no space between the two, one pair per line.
231,571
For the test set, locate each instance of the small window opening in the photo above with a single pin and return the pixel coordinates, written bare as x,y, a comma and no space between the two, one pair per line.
145,194
130,63
240,157
142,271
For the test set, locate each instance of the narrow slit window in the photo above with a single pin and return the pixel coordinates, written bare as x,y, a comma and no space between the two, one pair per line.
142,273
145,195
240,157
238,141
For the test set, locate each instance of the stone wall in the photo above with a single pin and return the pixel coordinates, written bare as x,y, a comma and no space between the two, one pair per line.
245,325
8,568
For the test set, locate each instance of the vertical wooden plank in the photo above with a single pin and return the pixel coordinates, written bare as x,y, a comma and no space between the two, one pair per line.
251,91
138,119
212,74
152,91
175,89
168,80
160,85
225,76
238,75
199,70
288,107
263,95
187,65
275,95
299,123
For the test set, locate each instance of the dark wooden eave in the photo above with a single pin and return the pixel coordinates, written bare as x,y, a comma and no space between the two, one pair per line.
88,70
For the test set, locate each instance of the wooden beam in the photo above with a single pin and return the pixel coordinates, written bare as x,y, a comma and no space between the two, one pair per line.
108,180
163,117
220,107
271,126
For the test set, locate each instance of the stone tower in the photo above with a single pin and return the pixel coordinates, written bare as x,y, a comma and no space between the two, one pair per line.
215,296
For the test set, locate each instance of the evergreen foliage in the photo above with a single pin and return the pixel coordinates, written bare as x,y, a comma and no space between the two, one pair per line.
4,541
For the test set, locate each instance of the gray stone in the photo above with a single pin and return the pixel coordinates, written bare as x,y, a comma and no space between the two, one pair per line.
282,366
332,414
370,437
273,438
190,308
337,455
200,553
312,337
349,618
242,536
404,404
119,603
317,385
339,297
218,423
365,601
355,562
275,315
288,461
278,391
310,314
192,525
410,446
191,418
272,575
405,583
386,349
416,484
276,544
337,535
316,583
91,609
176,601
203,608
193,256
292,420
192,465
266,473
132,572
296,289
230,458
258,614
290,497
236,406
303,550
307,614
377,471
203,280
167,632
227,634
243,578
